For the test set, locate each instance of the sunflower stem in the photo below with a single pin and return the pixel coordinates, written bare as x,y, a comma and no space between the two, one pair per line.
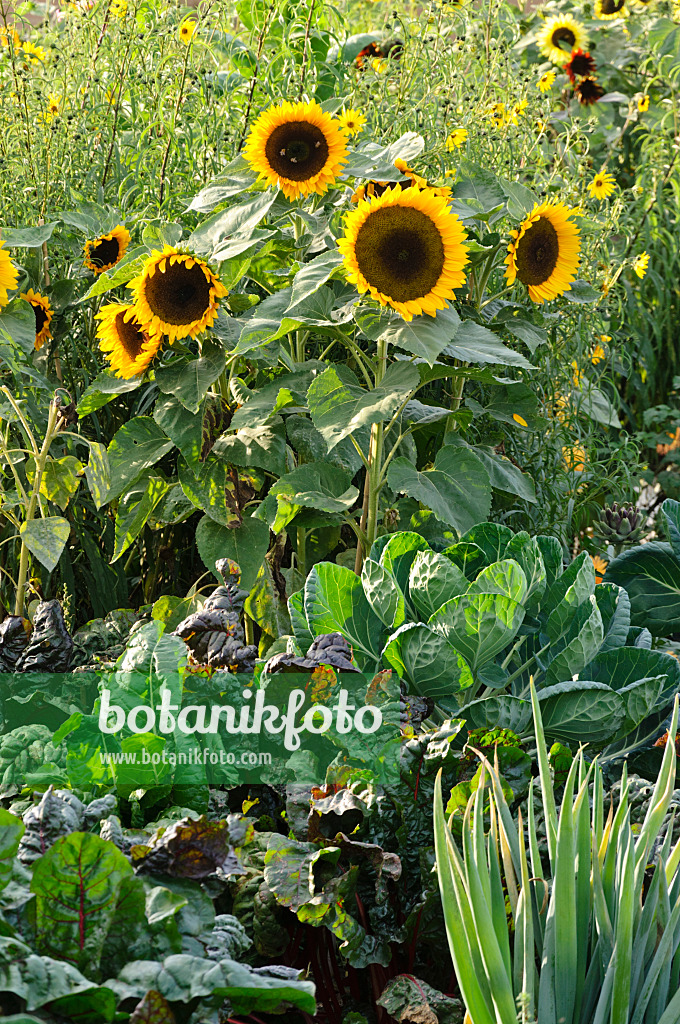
374,471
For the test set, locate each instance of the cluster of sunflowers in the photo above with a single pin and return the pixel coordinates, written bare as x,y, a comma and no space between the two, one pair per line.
402,244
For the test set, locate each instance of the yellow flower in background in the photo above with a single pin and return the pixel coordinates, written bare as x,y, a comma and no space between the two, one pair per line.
176,294
9,275
105,251
9,37
118,8
127,346
560,35
498,114
600,566
516,112
519,419
575,457
602,185
607,9
544,252
297,146
456,139
34,54
186,31
643,104
640,264
546,81
406,249
379,65
53,107
598,353
577,376
352,121
43,316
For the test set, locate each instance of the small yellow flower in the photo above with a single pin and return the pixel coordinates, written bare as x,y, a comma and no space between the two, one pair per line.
640,264
186,31
379,65
546,81
456,139
600,566
519,419
450,174
352,121
34,54
118,8
643,104
516,112
598,353
602,185
498,114
53,107
577,376
9,36
574,457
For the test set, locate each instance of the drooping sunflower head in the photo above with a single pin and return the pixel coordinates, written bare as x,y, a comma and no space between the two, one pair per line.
544,252
128,347
9,275
559,36
406,249
579,65
607,9
297,146
43,316
176,294
104,252
588,91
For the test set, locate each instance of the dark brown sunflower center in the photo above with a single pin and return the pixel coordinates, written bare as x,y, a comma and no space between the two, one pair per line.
104,253
40,318
130,336
589,91
400,252
179,296
537,252
563,35
297,150
581,64
611,6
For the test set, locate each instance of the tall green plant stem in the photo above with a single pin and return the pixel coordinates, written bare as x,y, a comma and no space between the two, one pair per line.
40,463
369,518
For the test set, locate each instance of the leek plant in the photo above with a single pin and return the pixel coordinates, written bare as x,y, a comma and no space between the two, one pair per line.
591,936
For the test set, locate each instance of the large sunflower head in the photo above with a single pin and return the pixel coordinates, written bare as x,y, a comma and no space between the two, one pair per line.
43,316
588,91
608,9
176,294
560,35
579,65
9,275
128,347
406,248
297,146
544,252
104,252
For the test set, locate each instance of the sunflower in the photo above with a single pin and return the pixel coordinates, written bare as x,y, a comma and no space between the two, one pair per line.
104,252
297,146
579,65
176,294
53,107
575,457
34,54
643,104
559,36
640,264
9,37
588,91
602,185
43,316
456,139
352,121
118,8
186,31
544,252
9,275
406,248
498,114
128,346
607,9
546,81
372,50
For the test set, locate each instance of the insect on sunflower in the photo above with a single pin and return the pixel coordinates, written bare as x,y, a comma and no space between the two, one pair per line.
43,316
608,9
588,91
352,121
297,146
579,65
559,36
602,185
9,275
406,249
176,294
104,252
544,252
126,344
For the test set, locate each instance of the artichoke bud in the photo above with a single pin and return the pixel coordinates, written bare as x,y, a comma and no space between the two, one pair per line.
620,523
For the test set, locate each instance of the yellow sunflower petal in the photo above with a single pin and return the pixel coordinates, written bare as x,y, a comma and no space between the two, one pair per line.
9,275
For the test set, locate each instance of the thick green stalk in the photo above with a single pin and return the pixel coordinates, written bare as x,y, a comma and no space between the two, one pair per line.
374,469
40,463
